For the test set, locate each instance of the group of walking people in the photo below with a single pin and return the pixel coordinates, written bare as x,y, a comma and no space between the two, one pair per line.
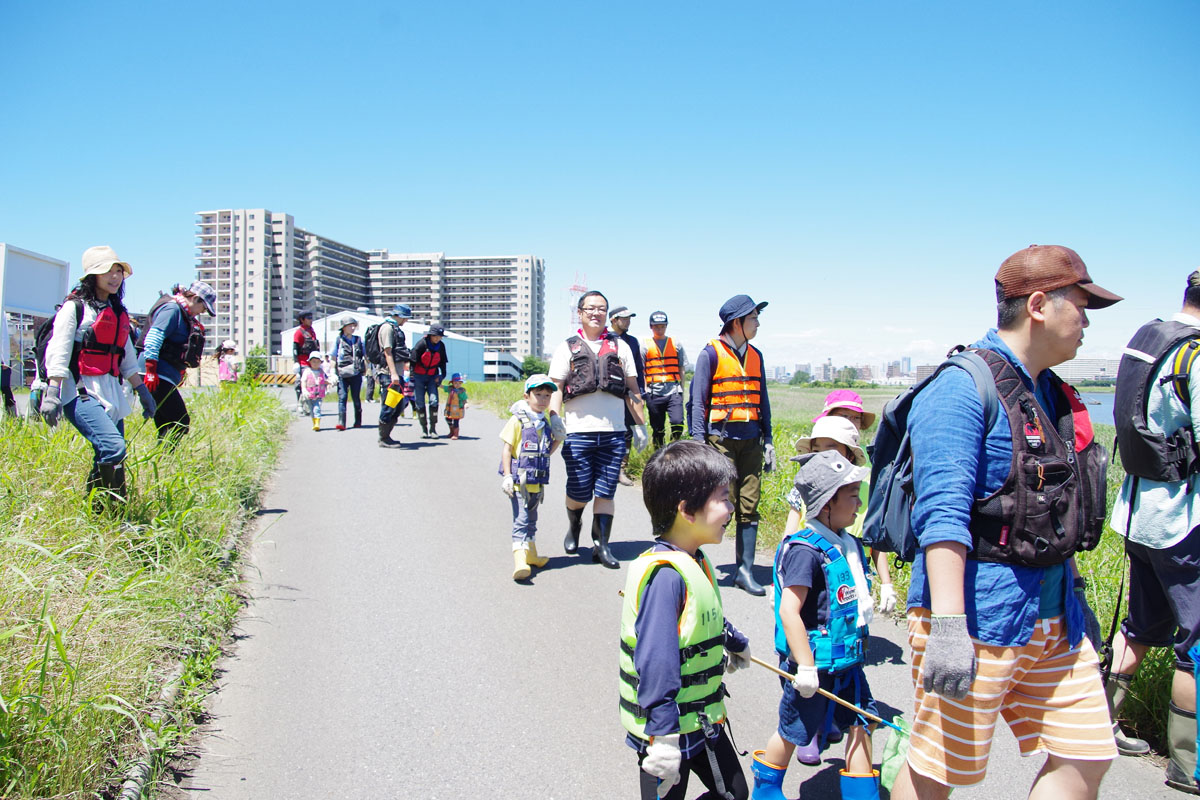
406,377
1008,485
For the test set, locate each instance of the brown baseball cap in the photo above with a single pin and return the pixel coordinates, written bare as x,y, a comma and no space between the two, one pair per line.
1044,268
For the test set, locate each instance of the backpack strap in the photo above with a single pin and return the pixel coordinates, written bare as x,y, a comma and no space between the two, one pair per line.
985,384
1181,367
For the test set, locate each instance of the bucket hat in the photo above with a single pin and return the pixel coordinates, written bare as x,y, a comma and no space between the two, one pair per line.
539,380
317,355
401,310
100,259
841,430
347,320
821,475
436,330
738,306
1044,268
228,345
846,398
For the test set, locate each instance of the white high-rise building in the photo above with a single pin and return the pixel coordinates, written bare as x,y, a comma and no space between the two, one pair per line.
265,270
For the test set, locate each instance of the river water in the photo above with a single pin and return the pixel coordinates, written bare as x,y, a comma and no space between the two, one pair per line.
1100,406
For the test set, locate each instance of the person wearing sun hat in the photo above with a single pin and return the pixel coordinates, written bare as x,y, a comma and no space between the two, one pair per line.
729,409
997,612
821,598
227,373
89,353
172,341
350,362
456,403
847,403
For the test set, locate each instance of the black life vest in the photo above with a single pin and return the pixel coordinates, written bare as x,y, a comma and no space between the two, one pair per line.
1054,501
179,354
590,372
1143,453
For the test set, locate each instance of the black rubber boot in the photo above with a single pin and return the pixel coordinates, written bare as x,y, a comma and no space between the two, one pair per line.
433,416
1181,746
93,482
385,435
601,530
424,423
574,526
1115,690
747,540
112,481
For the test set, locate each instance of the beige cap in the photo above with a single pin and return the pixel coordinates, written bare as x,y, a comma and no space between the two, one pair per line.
841,430
100,259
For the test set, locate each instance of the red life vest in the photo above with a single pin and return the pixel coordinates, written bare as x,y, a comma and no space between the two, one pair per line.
103,343
427,363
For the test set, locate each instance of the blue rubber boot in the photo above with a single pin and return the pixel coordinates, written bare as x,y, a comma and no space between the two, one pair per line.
768,779
860,787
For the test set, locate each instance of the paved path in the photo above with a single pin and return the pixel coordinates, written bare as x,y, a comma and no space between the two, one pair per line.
388,654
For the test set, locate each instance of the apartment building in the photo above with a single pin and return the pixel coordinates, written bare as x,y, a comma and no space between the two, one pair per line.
265,270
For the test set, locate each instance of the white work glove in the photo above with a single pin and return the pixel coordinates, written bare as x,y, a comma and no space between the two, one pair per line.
662,761
558,429
805,681
51,407
506,485
887,599
640,438
738,660
769,458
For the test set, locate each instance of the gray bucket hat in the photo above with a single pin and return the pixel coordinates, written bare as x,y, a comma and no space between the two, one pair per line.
347,320
821,475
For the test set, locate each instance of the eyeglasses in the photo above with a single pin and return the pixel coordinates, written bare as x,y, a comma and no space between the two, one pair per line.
594,310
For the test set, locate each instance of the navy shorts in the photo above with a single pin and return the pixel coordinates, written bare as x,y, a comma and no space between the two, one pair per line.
800,719
593,463
1164,597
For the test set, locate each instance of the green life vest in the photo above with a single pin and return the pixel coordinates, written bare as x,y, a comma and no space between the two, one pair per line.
701,641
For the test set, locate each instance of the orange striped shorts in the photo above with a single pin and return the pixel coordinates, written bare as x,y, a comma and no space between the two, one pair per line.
1048,692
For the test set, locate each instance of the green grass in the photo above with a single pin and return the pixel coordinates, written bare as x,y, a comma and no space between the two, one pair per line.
792,410
98,608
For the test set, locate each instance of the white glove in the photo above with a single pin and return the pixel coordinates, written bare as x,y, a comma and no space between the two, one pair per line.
769,458
558,429
887,599
506,485
738,660
662,761
640,438
805,681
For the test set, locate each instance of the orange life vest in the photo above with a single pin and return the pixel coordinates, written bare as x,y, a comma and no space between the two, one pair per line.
736,388
662,367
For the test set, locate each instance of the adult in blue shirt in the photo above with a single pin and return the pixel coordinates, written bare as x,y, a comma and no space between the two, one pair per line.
174,341
991,634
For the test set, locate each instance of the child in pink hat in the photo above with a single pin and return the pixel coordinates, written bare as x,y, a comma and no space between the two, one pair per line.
847,403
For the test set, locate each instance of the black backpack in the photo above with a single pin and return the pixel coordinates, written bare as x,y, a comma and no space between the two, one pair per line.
371,345
888,522
41,338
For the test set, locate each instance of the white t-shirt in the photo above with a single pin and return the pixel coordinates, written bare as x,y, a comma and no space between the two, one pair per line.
597,412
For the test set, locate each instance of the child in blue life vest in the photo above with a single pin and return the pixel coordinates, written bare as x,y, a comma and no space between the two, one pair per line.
820,592
676,644
529,437
456,403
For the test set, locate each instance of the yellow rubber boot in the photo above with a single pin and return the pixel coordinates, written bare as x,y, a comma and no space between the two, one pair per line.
316,423
520,565
532,557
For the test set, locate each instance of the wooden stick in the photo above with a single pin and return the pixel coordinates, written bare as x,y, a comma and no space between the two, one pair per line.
829,695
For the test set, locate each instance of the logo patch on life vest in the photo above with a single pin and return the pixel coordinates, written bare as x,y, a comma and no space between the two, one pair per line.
846,593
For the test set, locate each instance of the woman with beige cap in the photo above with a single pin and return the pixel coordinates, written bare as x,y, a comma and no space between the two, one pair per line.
89,352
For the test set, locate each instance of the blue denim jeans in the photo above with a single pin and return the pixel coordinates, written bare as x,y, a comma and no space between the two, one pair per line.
350,388
425,385
387,414
525,514
106,437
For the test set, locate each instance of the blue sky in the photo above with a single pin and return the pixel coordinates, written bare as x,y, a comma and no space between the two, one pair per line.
864,167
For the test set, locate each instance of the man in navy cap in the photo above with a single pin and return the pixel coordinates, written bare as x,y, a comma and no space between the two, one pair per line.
730,410
665,364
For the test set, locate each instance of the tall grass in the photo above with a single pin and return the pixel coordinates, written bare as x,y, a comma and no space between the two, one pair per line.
792,410
96,607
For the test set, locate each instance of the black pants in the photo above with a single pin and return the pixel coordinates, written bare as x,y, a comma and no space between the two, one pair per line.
727,763
660,410
10,402
171,418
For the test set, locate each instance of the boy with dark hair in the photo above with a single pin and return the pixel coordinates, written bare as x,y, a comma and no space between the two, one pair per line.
674,635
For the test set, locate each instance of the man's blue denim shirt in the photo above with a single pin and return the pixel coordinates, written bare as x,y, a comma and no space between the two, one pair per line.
950,471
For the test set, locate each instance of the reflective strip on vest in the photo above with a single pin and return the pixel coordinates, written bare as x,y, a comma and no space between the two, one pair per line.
701,641
838,644
736,388
662,367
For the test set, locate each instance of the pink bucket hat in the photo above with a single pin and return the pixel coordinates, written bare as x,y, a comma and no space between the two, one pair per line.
846,398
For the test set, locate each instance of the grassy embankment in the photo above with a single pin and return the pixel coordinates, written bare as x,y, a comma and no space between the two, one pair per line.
99,608
792,410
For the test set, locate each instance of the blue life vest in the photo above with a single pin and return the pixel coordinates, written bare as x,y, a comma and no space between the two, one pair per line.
531,462
838,644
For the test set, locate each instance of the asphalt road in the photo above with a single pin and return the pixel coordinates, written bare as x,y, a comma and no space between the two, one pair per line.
386,651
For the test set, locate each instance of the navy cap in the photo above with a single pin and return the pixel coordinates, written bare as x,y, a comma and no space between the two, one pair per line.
739,306
401,310
658,318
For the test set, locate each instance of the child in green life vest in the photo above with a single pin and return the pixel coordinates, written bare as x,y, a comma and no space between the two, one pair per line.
675,642
820,593
531,435
456,403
